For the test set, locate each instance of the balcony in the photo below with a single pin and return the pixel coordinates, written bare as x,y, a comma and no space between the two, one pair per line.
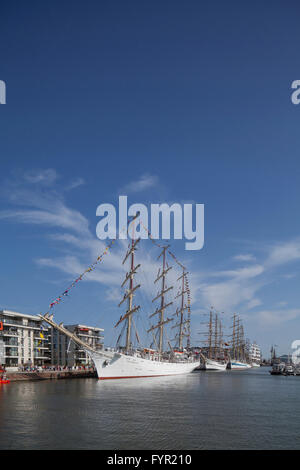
11,353
15,322
10,332
10,344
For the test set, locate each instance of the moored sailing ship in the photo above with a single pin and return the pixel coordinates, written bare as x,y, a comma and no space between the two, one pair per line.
214,357
127,361
238,350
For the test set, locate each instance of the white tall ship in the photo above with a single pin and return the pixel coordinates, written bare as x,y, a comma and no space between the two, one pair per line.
238,351
255,355
214,356
129,362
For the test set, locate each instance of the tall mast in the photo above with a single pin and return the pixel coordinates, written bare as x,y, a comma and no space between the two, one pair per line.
216,337
234,336
242,342
210,333
129,294
238,341
160,311
221,349
188,340
180,312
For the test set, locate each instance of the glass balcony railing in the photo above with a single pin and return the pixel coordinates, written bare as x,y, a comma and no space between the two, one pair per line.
11,352
11,342
10,332
17,322
11,321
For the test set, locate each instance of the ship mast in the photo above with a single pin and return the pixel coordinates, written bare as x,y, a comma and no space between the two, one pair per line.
210,333
216,337
188,340
180,312
242,342
129,294
238,341
161,310
234,328
221,349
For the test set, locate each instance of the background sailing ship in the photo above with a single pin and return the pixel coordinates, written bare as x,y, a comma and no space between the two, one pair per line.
213,353
239,350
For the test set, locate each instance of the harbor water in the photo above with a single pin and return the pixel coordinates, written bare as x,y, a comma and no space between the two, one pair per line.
203,410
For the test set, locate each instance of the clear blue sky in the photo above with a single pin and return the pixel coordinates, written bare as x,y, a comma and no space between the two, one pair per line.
191,98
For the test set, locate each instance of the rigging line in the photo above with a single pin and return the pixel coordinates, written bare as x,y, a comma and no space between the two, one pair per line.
147,301
120,336
169,341
146,328
90,268
160,246
136,333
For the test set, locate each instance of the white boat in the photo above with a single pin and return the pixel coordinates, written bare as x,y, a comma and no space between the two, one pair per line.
238,365
255,364
238,346
122,366
211,364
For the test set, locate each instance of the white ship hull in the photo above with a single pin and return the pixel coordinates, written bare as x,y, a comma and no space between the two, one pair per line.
215,365
114,365
255,364
237,365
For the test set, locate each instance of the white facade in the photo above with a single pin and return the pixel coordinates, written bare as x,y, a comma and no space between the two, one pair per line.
23,339
65,353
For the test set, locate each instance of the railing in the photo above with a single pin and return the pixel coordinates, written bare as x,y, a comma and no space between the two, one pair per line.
11,353
10,331
12,321
11,342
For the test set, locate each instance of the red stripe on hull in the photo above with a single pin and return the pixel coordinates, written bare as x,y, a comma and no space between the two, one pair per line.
134,377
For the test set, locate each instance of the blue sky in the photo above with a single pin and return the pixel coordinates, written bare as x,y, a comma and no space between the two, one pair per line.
186,101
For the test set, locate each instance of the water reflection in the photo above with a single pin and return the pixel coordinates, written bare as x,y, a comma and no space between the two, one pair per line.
199,410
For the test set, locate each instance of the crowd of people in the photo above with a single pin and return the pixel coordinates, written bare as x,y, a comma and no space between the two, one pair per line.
54,368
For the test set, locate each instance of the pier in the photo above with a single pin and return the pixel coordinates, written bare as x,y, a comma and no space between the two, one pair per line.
50,375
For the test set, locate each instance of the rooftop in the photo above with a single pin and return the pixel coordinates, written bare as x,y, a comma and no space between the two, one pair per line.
11,313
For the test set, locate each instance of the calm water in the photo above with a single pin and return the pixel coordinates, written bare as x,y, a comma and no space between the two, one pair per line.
204,410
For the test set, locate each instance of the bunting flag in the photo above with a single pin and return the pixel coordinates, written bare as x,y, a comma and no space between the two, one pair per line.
79,278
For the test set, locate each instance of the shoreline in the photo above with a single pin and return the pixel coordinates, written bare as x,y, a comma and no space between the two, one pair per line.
50,375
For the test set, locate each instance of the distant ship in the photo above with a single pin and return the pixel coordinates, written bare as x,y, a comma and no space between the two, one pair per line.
255,355
210,364
238,365
213,355
128,361
238,346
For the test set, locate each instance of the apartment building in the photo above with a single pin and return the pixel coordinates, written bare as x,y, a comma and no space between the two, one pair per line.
23,340
65,353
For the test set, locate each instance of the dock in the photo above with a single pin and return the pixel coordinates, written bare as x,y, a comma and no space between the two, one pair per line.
50,375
